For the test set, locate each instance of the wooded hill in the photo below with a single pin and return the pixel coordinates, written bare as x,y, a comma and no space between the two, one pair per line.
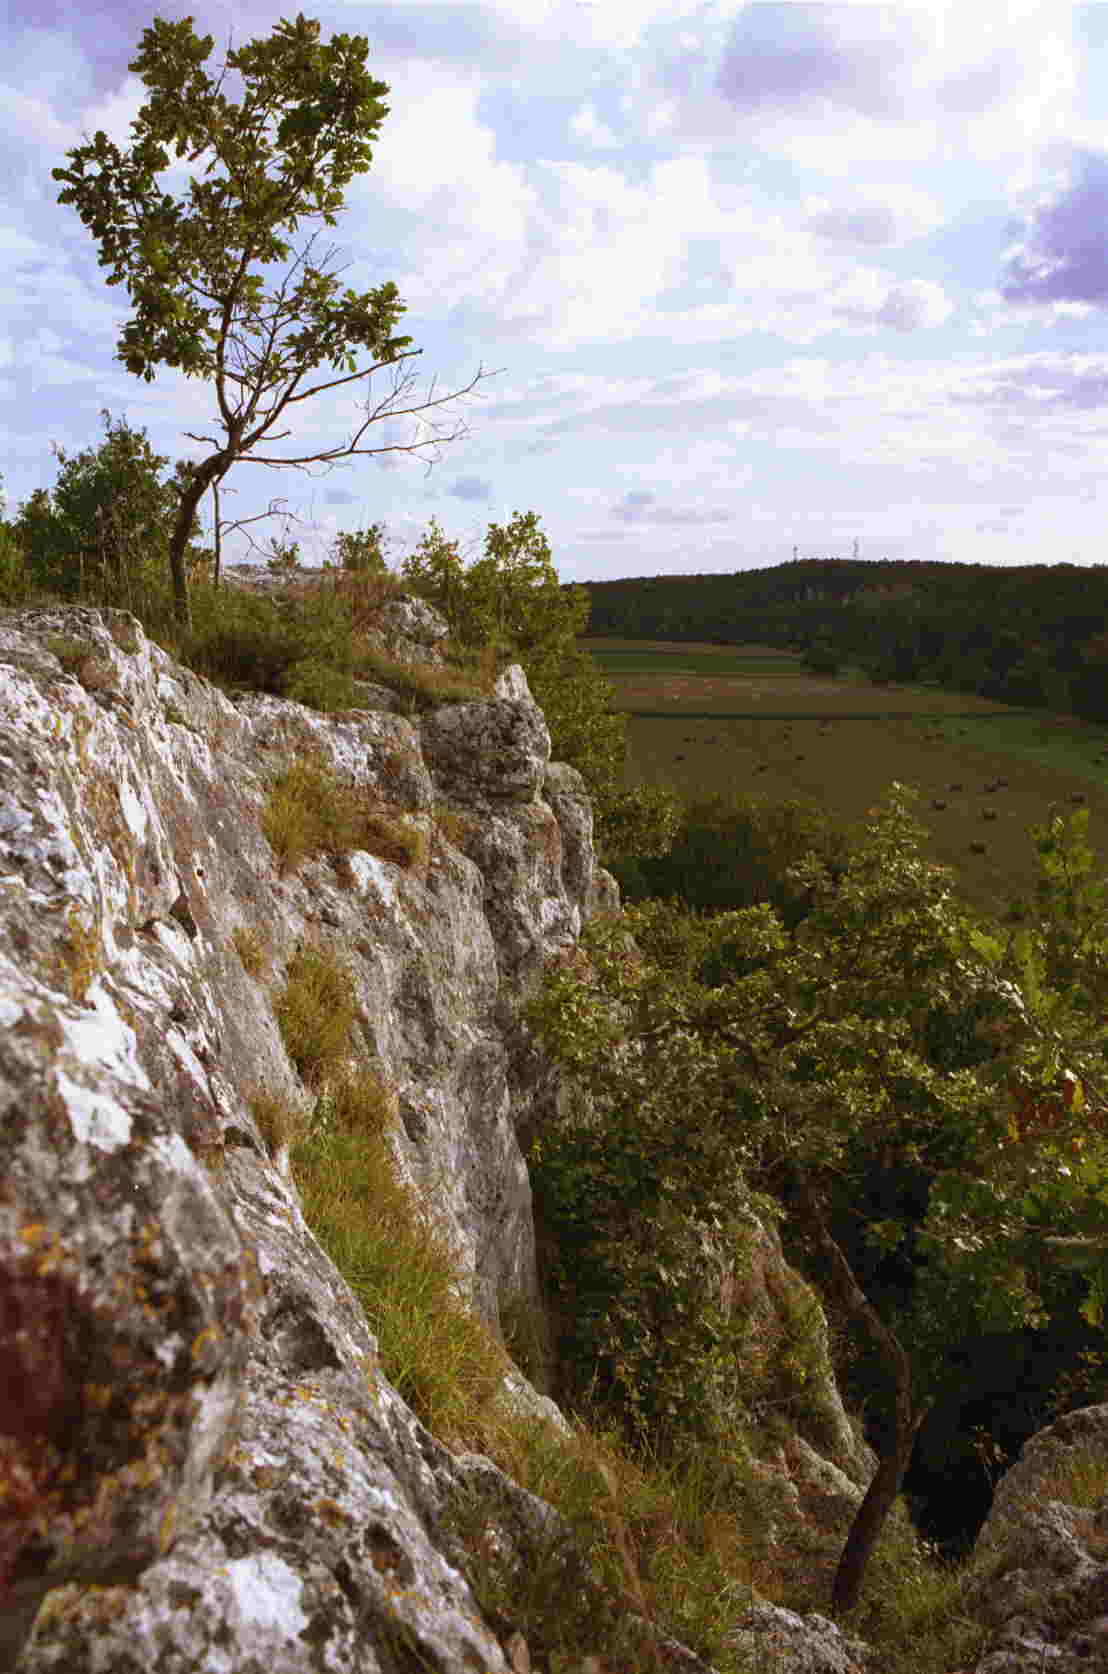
1031,635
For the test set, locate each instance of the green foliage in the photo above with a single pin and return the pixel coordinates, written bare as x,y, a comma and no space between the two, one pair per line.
320,685
172,255
104,537
735,851
512,600
14,580
803,1068
360,554
822,658
243,641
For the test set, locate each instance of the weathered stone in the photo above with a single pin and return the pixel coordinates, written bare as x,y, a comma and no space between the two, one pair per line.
793,1644
202,1466
1040,1562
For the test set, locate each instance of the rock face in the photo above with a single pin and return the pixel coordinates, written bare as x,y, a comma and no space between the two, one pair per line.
202,1466
1042,1557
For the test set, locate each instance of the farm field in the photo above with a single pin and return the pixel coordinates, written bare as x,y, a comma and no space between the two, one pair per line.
986,772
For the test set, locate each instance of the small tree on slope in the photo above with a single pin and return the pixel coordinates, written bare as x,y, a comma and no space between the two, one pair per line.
181,268
789,1076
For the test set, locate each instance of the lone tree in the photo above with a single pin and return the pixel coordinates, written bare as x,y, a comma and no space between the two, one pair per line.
181,267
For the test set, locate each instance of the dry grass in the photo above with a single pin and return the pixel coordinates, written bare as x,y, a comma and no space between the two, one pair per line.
251,950
856,739
309,812
682,1543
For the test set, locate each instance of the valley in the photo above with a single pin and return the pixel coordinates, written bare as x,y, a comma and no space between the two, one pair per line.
709,720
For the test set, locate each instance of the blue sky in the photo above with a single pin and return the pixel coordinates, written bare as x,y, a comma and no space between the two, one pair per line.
751,278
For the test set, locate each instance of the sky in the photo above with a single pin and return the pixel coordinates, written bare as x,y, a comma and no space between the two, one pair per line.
737,282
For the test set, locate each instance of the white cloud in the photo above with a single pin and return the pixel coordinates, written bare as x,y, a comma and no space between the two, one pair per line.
718,251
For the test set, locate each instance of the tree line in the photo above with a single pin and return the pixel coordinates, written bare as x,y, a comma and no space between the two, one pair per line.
1033,636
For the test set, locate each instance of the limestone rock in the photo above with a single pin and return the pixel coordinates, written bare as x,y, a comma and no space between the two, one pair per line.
1040,1561
202,1465
793,1644
411,630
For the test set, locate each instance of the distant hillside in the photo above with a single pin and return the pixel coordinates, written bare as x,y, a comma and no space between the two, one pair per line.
1035,634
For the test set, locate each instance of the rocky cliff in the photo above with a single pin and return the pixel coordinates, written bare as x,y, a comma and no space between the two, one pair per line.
203,1466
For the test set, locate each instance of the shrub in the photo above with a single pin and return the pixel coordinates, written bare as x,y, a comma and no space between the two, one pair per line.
320,686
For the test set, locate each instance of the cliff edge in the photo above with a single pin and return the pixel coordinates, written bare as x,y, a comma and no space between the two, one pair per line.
202,1464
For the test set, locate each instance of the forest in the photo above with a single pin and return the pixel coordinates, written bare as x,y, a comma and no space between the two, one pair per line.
1029,635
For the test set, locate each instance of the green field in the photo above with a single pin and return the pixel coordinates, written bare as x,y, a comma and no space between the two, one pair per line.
841,742
615,657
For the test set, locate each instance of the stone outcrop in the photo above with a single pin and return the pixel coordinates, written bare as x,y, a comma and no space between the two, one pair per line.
202,1465
1041,1557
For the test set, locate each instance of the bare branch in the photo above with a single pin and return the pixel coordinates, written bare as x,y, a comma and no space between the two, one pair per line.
380,411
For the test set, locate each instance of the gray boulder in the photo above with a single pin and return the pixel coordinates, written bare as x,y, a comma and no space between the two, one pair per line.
1040,1562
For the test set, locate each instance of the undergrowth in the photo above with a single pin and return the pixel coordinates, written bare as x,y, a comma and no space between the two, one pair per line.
684,1541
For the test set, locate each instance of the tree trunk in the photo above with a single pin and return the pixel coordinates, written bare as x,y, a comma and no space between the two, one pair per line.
211,471
215,498
870,1517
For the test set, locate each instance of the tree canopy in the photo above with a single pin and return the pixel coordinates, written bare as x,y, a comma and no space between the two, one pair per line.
728,1065
182,267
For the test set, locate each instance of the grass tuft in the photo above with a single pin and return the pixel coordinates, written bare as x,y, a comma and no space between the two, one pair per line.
309,812
251,950
315,1012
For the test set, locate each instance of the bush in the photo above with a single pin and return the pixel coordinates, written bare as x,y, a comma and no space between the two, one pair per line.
240,642
320,686
822,659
